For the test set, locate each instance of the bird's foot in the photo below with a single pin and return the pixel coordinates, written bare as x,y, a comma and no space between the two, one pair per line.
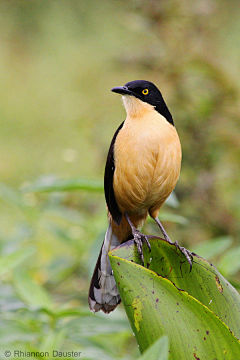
188,255
139,239
183,250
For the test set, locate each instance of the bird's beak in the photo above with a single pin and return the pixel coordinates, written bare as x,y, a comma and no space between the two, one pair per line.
122,90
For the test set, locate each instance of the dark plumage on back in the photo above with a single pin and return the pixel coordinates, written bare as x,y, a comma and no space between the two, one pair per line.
108,182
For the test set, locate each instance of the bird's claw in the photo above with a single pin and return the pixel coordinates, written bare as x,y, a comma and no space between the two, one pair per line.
139,239
187,254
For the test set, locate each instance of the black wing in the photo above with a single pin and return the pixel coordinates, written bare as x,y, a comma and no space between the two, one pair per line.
108,182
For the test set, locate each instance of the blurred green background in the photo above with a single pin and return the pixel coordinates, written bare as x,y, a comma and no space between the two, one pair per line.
58,63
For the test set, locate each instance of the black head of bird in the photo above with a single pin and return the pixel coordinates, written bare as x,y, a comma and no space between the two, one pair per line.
146,92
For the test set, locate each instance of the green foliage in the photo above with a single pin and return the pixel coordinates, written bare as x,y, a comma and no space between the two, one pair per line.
195,310
36,296
59,61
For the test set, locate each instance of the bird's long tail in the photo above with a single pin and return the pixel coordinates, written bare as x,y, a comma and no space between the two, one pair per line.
103,292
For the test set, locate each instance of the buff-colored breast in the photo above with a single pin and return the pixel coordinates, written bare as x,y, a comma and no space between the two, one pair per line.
147,155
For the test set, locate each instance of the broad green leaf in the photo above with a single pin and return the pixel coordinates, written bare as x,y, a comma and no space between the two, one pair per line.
158,351
156,306
9,262
31,292
204,282
50,184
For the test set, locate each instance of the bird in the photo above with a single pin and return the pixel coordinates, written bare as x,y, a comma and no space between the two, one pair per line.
142,169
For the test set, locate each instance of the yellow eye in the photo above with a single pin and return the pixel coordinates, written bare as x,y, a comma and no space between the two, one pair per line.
145,92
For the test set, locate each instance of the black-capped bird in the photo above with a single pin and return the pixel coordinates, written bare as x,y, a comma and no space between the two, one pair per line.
142,169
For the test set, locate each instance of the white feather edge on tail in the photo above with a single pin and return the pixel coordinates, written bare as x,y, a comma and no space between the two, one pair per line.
105,296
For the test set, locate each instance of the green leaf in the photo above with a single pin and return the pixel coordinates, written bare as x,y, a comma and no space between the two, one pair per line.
50,184
31,292
158,351
156,306
9,262
204,282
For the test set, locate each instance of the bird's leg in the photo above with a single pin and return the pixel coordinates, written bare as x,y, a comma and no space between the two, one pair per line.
185,251
139,238
166,237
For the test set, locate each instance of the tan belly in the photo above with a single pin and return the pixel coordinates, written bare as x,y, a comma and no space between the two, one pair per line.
147,165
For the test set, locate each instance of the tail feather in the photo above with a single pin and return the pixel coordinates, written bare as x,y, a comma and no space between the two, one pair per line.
103,292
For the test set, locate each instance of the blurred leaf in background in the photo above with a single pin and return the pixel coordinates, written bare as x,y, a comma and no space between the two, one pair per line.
58,62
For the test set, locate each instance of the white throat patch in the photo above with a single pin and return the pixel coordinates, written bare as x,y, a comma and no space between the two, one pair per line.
135,107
